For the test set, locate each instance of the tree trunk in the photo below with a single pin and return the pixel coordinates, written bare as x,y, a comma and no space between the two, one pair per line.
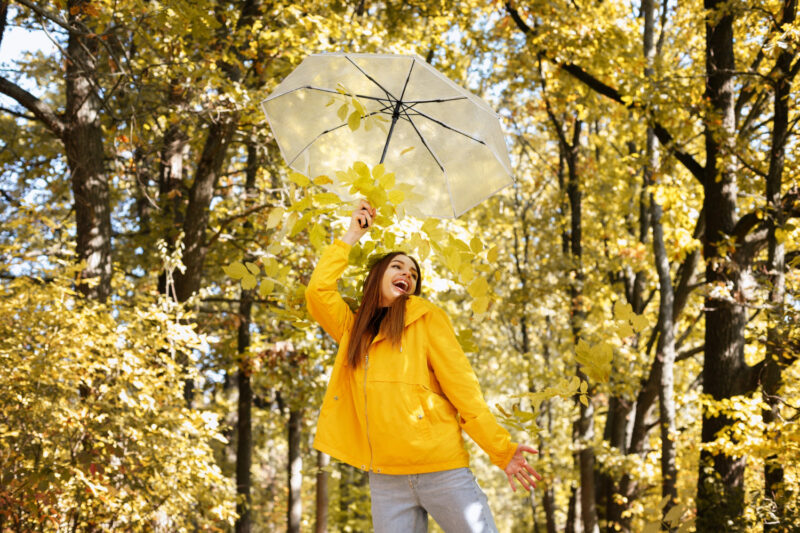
83,143
720,486
573,521
666,353
321,523
776,357
294,512
244,443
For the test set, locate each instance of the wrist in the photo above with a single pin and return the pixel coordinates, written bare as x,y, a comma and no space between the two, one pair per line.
350,238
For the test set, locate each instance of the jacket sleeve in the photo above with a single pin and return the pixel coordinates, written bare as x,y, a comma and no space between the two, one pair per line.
324,302
461,387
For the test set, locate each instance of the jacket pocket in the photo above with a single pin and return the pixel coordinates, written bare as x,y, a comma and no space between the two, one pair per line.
399,425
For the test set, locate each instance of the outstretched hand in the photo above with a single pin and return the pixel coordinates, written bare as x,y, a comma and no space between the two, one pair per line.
519,469
360,222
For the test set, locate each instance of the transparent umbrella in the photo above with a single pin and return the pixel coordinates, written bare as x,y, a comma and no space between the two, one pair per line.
438,138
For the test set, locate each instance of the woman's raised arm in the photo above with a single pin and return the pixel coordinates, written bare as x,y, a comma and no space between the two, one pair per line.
324,302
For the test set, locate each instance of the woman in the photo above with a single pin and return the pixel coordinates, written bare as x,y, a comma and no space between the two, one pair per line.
399,395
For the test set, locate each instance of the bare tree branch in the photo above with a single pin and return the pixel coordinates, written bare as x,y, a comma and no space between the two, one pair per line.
40,110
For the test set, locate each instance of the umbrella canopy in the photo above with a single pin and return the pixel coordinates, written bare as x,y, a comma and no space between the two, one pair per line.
440,139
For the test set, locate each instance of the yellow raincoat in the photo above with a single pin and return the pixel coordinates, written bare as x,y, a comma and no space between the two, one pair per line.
402,411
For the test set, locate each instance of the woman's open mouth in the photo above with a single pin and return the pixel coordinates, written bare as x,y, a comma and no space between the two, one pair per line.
401,284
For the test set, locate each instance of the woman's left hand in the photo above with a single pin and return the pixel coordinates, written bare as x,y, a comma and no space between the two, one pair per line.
519,469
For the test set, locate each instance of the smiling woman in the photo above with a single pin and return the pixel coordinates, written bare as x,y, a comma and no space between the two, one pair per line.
400,393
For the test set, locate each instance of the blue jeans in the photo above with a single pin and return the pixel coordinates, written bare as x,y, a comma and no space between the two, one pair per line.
401,503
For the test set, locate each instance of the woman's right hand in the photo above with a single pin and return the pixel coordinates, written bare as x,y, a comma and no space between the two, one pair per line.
360,222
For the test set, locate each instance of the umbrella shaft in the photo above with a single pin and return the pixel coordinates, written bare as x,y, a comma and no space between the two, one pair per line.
395,116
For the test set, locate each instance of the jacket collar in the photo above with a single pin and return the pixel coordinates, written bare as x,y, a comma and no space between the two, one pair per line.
416,307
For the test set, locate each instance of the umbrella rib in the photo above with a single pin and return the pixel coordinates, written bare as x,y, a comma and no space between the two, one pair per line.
417,112
333,129
437,101
396,113
389,95
425,144
365,96
441,167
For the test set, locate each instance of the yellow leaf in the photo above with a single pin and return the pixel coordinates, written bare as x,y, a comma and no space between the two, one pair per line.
235,270
317,236
253,268
324,198
491,256
639,323
248,282
397,196
480,305
322,180
300,225
266,287
342,112
584,387
362,170
386,180
301,180
622,310
584,400
476,245
405,151
359,107
354,120
674,515
478,288
467,273
624,330
275,217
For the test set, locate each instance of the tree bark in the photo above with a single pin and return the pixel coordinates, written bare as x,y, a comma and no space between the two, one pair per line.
322,500
776,357
720,486
83,144
294,512
244,443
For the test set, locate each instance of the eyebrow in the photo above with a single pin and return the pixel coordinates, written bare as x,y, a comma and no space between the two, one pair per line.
401,263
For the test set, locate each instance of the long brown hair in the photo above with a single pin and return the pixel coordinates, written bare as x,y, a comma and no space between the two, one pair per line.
371,317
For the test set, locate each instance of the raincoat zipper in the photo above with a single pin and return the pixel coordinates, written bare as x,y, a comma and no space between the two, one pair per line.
366,414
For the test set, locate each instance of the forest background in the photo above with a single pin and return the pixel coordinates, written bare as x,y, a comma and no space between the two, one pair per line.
630,304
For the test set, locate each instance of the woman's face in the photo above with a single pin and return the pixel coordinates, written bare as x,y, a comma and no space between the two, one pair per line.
400,278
